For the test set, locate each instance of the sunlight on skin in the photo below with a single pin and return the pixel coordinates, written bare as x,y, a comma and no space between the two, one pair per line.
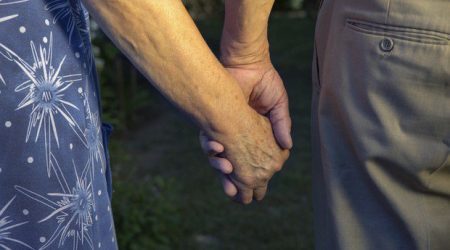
180,65
245,54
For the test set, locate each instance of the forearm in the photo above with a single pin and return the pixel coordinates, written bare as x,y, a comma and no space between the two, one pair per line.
244,38
161,40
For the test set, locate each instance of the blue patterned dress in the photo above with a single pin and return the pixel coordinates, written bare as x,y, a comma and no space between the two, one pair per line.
55,183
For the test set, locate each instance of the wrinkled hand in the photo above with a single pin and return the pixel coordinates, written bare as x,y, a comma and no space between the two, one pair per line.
266,94
254,155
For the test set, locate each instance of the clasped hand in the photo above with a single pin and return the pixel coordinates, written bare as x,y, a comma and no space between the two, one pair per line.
247,161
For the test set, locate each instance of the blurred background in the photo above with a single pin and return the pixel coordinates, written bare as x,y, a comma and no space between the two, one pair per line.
165,194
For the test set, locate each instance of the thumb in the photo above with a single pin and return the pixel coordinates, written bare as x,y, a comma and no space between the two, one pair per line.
281,124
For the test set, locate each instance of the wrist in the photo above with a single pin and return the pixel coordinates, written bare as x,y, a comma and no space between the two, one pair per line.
225,126
234,52
244,37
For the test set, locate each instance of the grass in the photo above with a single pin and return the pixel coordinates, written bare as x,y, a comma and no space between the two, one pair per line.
167,197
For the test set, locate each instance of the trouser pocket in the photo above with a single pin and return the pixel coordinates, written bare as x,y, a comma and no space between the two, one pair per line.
391,86
399,32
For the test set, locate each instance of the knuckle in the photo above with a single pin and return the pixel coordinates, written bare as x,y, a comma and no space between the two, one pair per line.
243,181
278,167
262,177
252,183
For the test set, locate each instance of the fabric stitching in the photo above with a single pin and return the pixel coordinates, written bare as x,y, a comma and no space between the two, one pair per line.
423,39
414,30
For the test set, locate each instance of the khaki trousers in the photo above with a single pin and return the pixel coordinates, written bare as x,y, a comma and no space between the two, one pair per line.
381,125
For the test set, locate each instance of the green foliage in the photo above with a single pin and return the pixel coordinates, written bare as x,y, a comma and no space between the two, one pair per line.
124,91
212,8
288,5
146,211
145,214
204,8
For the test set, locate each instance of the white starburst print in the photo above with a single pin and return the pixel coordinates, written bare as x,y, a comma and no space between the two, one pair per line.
92,133
93,137
76,18
7,18
95,146
93,140
9,2
71,208
2,80
7,242
45,95
51,123
62,9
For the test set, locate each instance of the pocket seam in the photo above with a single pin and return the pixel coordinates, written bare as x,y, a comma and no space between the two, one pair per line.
404,33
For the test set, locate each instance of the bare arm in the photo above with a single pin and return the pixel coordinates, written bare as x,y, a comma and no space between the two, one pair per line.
244,38
161,40
245,54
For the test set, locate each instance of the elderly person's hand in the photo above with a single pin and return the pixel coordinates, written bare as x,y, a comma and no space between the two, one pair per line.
245,55
267,95
176,60
249,158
